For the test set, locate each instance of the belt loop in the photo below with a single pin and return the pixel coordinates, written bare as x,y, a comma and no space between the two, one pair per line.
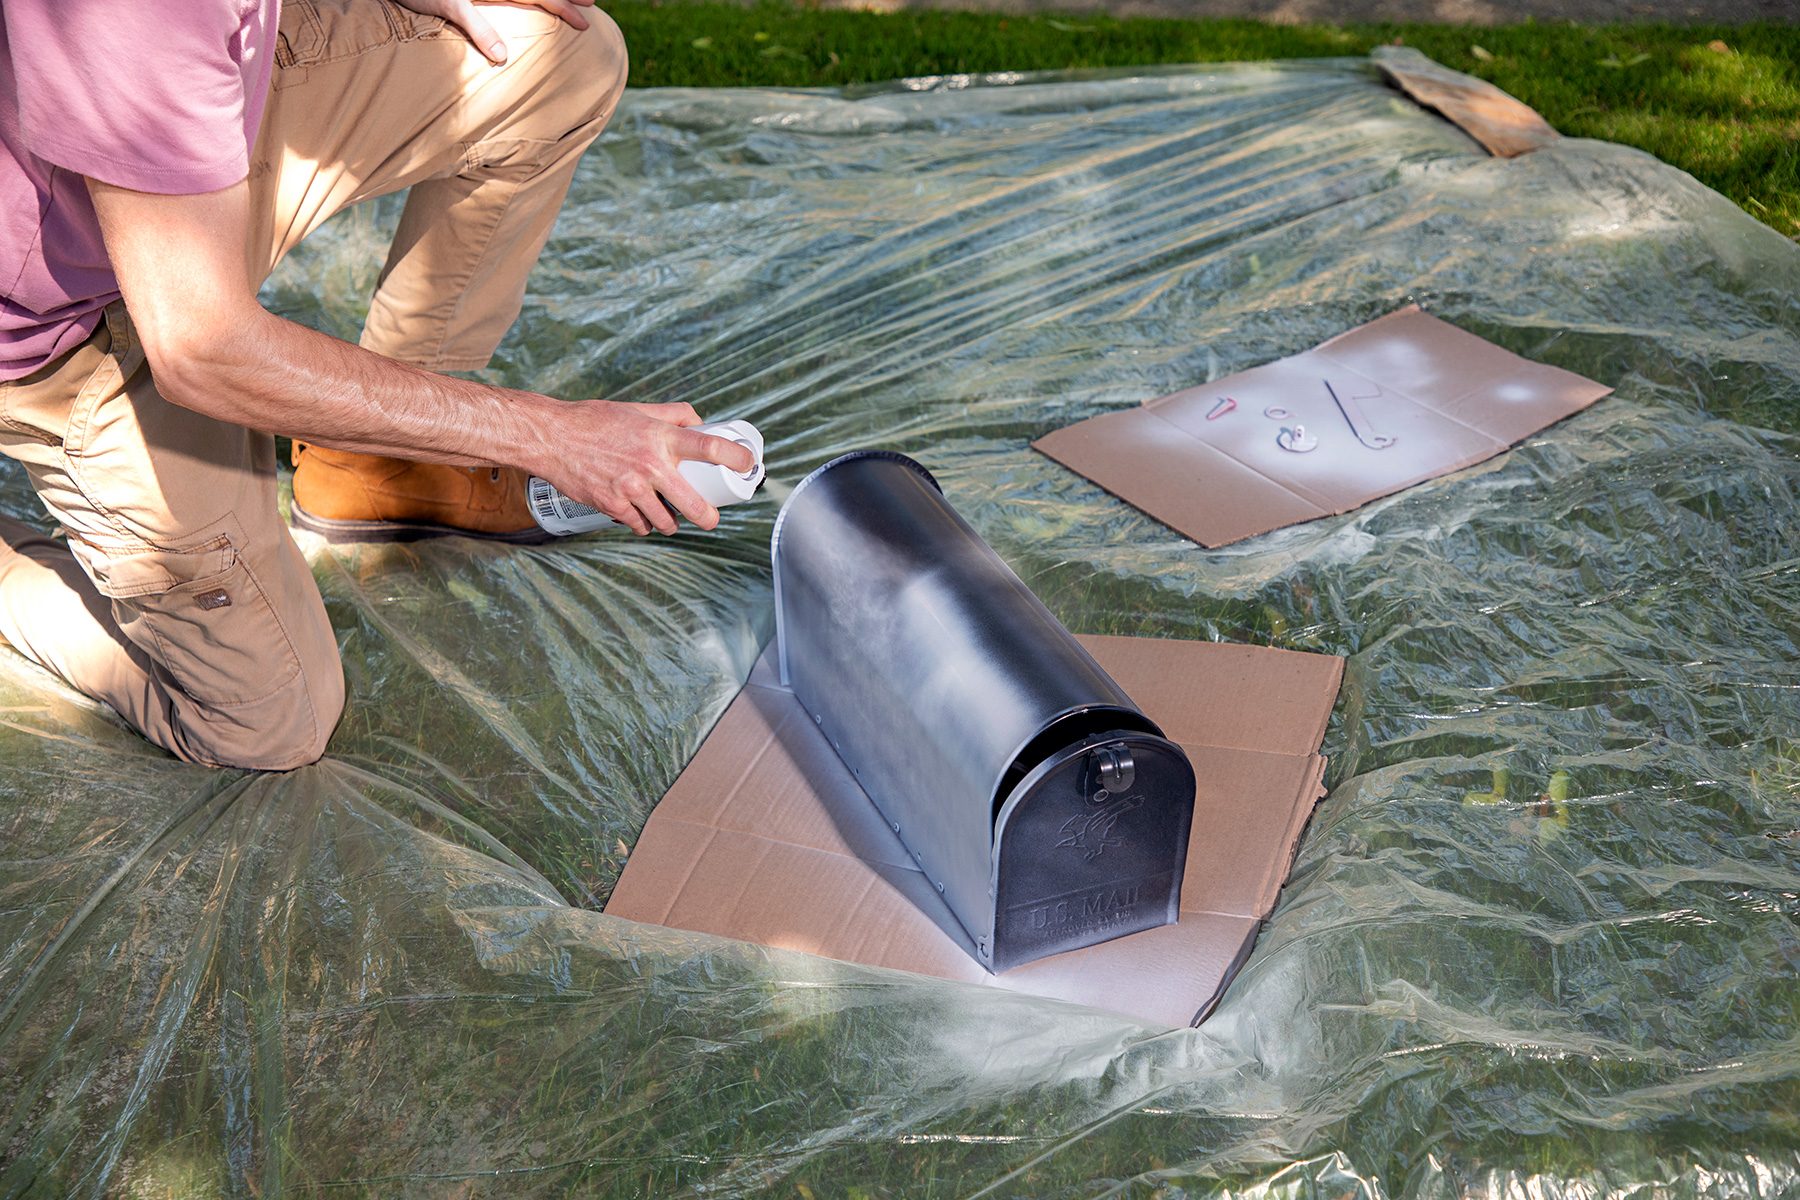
118,326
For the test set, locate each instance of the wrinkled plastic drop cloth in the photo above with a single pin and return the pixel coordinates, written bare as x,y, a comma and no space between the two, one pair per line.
1540,939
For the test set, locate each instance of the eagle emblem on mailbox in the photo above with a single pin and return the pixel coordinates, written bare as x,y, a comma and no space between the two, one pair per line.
1092,832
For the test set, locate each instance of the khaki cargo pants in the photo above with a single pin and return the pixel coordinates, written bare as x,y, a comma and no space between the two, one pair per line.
177,596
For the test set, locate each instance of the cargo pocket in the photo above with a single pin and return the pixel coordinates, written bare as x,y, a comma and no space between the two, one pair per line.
315,32
201,613
300,40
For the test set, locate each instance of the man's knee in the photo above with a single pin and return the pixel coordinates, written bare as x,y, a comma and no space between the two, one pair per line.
287,728
591,69
242,664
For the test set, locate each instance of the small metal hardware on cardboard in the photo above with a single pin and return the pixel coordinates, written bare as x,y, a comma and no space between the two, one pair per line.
1355,417
1294,438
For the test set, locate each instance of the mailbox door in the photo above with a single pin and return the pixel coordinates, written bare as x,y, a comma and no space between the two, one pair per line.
1091,846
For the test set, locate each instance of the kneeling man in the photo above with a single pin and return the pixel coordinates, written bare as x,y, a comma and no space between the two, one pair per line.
156,161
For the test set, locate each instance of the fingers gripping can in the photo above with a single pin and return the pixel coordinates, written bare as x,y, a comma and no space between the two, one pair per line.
719,486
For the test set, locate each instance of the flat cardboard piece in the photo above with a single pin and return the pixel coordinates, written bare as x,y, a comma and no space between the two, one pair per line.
1207,461
1505,126
767,838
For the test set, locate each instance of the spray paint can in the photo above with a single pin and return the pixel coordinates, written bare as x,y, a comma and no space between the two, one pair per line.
720,486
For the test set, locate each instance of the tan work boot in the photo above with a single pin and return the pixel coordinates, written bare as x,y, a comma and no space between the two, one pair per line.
349,497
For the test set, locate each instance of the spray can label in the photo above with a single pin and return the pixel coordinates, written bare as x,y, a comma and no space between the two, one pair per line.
558,514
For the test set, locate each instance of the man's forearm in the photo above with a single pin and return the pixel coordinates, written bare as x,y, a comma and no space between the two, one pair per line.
213,348
279,377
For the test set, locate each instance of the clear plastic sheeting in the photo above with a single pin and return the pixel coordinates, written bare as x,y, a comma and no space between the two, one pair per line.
1540,940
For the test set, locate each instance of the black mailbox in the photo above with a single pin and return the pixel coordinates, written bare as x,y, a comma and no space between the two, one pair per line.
1049,812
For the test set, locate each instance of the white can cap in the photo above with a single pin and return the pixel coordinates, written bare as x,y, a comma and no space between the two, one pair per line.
721,486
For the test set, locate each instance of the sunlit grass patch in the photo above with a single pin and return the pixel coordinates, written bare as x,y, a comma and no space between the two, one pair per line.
1721,103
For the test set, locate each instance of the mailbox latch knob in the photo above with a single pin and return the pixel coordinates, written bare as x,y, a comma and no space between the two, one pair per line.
1117,771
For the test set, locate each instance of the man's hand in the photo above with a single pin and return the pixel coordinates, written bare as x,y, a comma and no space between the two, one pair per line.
181,263
465,16
632,470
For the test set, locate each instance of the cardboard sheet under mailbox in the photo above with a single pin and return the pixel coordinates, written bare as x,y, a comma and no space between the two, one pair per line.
1379,409
1042,804
766,837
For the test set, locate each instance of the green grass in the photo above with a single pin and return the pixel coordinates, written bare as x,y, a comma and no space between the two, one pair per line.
1721,103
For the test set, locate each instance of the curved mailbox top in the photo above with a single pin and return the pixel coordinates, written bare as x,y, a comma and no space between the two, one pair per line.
943,683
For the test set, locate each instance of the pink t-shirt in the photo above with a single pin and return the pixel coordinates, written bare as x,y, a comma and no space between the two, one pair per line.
152,95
